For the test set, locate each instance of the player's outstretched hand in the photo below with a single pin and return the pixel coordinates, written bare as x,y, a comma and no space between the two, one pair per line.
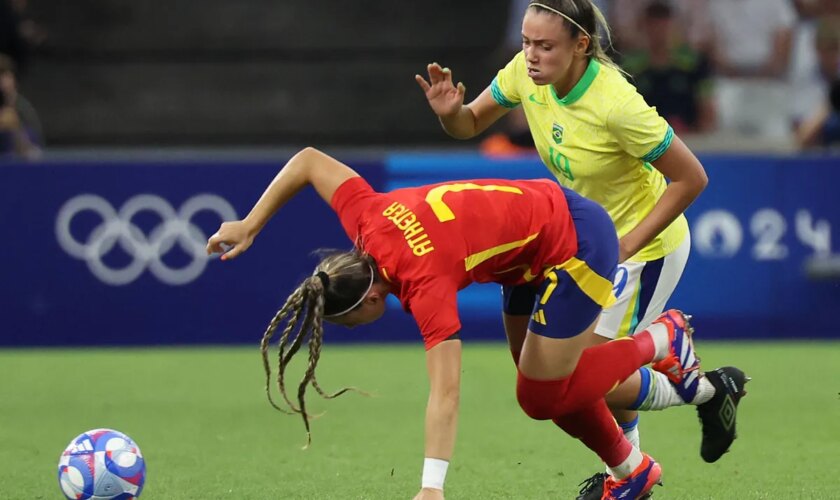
444,97
230,240
429,494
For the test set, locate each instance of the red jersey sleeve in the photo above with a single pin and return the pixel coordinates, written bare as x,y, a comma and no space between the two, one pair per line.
349,204
436,313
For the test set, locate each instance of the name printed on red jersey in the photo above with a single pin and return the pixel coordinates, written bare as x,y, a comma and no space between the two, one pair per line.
414,233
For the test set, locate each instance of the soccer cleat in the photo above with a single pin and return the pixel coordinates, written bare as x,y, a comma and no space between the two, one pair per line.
717,416
636,486
681,365
592,488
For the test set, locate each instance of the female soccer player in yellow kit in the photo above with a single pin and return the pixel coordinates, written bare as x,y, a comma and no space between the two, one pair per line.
598,136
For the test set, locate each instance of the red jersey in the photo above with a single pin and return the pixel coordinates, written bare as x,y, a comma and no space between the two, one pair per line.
431,241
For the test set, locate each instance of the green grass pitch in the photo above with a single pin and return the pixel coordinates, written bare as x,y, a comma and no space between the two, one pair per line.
206,430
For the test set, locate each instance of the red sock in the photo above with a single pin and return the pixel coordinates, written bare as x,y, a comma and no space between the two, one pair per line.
647,348
595,427
601,368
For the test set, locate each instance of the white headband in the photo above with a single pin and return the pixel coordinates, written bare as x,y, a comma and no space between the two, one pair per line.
546,7
370,285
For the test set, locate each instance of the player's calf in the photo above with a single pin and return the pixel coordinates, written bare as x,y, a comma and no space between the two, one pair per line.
539,399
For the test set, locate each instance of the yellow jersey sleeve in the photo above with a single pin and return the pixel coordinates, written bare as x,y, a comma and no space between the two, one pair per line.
504,88
639,129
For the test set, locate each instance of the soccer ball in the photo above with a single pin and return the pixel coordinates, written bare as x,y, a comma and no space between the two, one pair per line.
102,464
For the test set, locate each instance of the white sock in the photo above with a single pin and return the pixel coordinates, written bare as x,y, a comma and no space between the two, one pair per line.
661,342
705,392
632,435
629,464
661,394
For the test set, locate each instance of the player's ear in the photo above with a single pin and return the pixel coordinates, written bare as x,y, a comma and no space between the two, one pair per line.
374,297
582,46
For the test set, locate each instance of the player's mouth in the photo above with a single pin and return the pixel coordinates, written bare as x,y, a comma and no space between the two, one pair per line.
533,73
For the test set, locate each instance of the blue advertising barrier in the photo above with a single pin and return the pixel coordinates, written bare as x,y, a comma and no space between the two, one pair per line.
111,253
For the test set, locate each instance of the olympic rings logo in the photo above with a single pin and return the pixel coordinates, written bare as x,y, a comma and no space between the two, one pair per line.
146,251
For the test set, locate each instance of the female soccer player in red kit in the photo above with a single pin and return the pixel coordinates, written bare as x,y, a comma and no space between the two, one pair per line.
423,244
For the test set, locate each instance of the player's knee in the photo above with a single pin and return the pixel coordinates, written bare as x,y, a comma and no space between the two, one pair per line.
538,398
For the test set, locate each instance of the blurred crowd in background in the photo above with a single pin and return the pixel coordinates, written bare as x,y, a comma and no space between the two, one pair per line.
762,70
20,131
750,69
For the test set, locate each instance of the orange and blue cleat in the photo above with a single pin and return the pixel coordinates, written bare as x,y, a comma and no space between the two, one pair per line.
636,486
681,365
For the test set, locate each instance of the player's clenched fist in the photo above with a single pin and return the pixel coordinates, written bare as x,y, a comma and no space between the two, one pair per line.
230,240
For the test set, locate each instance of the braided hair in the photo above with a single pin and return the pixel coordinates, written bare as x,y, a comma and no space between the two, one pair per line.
340,282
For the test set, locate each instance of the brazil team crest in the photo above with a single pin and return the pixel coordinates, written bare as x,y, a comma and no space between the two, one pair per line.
557,133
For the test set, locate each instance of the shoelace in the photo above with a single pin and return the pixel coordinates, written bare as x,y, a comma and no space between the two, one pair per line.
588,484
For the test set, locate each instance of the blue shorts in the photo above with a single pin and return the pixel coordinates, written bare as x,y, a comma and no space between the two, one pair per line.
573,293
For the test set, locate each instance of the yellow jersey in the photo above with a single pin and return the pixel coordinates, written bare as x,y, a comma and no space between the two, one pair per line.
599,140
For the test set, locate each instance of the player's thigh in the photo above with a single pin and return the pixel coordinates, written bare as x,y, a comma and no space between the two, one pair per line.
548,358
517,306
515,329
572,296
564,319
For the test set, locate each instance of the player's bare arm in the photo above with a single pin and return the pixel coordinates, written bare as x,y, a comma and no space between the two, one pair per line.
443,363
309,166
687,180
447,101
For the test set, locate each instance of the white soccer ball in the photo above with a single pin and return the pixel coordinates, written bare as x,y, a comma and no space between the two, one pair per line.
101,464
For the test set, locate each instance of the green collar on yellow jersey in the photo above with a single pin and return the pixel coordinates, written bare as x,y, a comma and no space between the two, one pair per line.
581,86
